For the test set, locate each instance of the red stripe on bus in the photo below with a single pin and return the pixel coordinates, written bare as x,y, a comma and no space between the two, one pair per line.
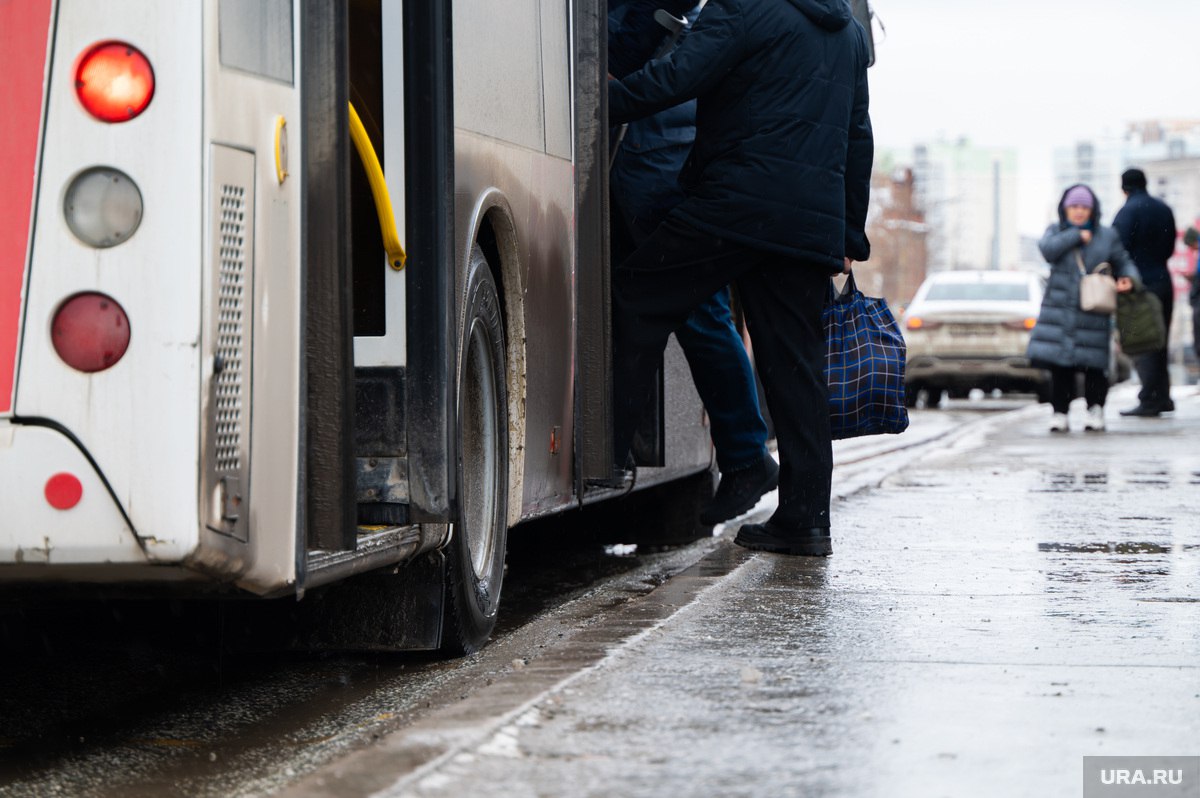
24,32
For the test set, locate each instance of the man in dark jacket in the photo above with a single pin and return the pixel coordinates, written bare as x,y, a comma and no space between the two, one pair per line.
776,198
1191,240
1147,229
645,187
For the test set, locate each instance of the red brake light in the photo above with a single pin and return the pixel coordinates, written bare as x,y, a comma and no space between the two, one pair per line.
90,332
114,81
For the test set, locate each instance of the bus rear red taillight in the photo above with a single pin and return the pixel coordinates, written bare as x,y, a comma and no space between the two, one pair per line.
90,332
114,81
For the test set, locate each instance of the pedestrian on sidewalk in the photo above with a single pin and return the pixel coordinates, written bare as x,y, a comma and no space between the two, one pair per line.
1067,340
776,190
1191,239
1147,228
644,185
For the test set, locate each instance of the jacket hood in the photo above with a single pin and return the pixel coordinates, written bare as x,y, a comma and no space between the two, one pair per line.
1062,208
832,15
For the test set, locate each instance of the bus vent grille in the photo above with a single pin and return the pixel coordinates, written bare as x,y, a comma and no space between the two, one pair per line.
231,289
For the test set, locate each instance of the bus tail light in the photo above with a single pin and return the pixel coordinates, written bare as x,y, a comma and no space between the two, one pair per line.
103,207
90,332
114,81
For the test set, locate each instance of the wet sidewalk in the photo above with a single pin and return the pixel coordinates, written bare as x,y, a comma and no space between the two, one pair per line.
1000,608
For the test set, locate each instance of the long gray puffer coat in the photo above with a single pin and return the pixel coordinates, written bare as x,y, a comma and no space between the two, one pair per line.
1065,335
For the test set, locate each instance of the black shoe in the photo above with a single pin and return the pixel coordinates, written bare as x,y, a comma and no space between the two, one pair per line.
1169,406
812,542
740,490
1144,411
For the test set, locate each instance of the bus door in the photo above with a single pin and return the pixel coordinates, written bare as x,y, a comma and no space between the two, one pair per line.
400,231
594,408
276,323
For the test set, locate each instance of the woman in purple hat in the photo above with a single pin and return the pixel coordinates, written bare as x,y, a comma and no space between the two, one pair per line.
1068,340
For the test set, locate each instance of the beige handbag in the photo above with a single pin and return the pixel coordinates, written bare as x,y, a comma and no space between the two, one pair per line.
1097,290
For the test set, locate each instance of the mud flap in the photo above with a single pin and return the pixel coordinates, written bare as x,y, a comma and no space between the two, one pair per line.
398,608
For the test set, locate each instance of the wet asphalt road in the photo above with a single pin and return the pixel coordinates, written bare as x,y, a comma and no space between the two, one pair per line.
993,612
975,633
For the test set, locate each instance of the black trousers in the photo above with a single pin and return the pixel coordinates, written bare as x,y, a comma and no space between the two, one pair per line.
1195,302
673,272
1152,367
1062,387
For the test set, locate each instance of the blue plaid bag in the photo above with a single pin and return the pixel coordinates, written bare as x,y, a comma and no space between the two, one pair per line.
864,364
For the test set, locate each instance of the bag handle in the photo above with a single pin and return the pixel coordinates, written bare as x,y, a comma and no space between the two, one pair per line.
1103,268
848,290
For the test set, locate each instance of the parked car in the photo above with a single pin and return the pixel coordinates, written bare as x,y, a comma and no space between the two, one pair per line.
970,329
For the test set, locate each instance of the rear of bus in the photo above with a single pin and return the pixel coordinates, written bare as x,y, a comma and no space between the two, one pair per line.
149,293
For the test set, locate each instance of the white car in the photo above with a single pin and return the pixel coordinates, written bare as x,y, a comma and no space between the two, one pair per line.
970,329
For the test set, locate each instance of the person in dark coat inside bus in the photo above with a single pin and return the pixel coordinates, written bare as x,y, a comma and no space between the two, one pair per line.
1147,228
645,187
776,190
1066,339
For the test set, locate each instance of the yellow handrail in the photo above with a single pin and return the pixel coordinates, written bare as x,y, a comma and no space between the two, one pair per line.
379,190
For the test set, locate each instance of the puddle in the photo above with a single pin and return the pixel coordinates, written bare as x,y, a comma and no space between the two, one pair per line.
1066,482
1171,599
1109,547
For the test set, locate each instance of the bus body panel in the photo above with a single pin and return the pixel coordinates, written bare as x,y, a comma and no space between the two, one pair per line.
517,142
136,418
25,31
538,192
150,420
244,112
34,531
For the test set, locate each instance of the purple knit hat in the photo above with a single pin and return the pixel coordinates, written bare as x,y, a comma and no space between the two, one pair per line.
1081,196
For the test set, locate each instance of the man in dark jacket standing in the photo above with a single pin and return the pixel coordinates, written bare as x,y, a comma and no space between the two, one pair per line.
1147,229
776,198
645,187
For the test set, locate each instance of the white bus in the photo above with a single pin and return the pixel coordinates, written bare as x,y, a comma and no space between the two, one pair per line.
253,339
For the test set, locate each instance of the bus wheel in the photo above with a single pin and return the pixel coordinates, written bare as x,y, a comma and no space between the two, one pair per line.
475,553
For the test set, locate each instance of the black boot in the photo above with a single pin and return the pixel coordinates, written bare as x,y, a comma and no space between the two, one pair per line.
811,542
740,490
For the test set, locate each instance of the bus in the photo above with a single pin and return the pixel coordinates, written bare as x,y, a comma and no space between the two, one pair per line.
300,292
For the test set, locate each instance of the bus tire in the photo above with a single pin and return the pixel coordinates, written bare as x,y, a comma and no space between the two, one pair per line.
478,538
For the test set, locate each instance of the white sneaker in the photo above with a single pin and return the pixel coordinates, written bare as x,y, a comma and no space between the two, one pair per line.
1095,419
1058,422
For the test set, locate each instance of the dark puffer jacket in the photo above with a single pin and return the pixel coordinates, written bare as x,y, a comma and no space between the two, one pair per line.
1065,335
782,159
645,175
1147,229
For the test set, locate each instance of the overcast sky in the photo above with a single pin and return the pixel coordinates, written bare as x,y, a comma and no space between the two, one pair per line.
1033,74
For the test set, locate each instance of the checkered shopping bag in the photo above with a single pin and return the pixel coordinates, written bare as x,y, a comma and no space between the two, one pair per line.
864,364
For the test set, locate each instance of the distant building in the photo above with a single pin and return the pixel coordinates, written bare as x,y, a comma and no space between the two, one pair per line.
898,233
1167,151
969,195
1176,182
